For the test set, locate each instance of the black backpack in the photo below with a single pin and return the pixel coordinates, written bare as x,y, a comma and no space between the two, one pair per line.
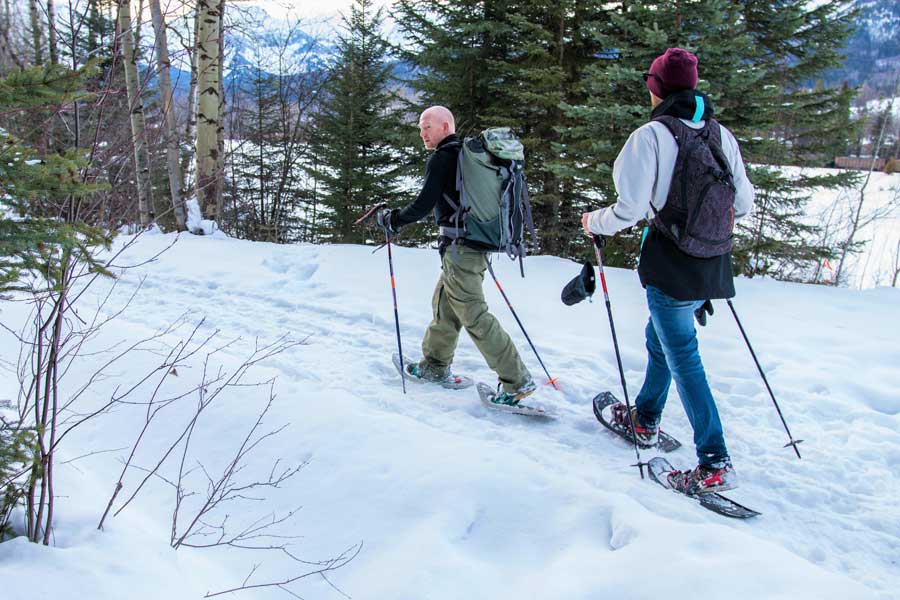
699,211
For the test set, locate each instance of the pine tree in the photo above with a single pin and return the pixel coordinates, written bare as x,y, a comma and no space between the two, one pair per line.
552,45
460,51
785,120
253,164
42,246
615,100
754,61
31,241
509,63
357,128
15,441
264,174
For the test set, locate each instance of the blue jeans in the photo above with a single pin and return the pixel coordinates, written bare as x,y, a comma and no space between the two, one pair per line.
672,353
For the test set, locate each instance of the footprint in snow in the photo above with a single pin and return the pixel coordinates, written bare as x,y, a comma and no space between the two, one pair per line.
305,272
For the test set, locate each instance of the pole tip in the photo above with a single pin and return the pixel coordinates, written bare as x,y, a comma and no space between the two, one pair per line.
640,466
793,443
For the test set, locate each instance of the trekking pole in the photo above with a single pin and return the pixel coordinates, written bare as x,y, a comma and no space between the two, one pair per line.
387,238
792,441
598,243
550,380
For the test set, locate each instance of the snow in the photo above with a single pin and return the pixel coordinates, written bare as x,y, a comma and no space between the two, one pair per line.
287,9
197,224
878,106
451,500
880,231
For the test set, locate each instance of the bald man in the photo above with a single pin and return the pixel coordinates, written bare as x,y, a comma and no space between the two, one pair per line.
458,299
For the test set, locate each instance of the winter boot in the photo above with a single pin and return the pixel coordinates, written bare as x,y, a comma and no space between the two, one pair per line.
511,399
704,479
428,372
646,435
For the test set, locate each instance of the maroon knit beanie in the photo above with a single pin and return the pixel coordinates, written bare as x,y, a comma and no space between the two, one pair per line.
673,71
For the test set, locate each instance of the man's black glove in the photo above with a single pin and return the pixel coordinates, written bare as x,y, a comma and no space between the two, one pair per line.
383,217
701,312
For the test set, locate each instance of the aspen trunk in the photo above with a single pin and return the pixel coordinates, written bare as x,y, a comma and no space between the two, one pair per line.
190,132
173,160
220,130
7,52
132,85
208,178
37,41
51,32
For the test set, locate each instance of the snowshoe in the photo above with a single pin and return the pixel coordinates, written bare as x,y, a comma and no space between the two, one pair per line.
663,473
603,410
418,372
517,403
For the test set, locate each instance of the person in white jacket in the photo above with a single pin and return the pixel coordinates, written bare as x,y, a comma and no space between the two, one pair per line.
678,285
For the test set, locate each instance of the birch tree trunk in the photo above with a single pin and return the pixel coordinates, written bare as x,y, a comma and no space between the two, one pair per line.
139,141
51,31
8,53
36,36
190,131
208,178
220,129
173,160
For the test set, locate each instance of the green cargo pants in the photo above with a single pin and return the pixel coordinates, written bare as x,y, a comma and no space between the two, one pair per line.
459,302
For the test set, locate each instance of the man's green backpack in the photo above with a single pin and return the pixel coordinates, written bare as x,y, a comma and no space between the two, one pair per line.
493,198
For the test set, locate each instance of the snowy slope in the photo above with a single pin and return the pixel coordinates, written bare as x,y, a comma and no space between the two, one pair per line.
452,501
879,232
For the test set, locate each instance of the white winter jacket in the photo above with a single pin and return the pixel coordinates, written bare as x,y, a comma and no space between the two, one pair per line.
643,172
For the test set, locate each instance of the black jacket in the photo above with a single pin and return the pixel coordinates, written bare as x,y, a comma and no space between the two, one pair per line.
440,179
663,265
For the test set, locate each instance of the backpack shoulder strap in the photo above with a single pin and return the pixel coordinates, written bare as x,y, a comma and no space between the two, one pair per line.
714,140
675,127
678,131
459,210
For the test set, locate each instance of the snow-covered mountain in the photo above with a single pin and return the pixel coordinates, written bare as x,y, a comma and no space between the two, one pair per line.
260,41
873,51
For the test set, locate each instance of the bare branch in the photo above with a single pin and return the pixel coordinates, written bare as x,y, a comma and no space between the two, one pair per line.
326,566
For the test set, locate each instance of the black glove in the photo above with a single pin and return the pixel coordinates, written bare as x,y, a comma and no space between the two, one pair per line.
384,219
599,240
700,313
